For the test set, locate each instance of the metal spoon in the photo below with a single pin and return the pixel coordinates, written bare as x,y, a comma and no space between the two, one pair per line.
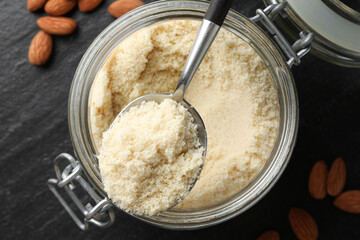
209,28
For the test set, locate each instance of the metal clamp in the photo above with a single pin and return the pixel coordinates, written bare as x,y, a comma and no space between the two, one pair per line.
294,52
101,215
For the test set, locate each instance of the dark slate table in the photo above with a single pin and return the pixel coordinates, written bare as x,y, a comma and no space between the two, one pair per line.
33,131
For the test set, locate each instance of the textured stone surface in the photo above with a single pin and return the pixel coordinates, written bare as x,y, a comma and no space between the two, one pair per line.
33,130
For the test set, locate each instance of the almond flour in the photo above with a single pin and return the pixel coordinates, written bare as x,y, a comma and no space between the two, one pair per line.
232,90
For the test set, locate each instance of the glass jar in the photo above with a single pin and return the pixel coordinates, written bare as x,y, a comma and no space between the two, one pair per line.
85,150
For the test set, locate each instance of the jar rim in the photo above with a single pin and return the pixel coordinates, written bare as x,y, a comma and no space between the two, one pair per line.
240,26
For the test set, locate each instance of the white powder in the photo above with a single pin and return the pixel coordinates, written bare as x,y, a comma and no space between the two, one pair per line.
232,90
150,157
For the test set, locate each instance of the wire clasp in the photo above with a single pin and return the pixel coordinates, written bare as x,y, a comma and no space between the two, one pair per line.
294,52
100,213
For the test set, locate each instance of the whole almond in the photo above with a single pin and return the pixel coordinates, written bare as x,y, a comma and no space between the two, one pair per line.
59,7
120,7
349,201
269,235
303,225
40,48
88,5
34,5
57,25
317,180
336,178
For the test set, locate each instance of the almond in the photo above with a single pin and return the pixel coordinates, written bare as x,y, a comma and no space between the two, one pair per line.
88,5
57,25
34,5
119,8
59,7
349,201
40,48
269,235
302,224
336,178
317,180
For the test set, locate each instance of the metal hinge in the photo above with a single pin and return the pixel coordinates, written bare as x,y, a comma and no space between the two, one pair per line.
294,52
101,214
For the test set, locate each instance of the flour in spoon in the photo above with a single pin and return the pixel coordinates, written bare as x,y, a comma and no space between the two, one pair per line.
150,157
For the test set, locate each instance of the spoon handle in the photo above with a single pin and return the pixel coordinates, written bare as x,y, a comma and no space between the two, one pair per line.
217,11
209,28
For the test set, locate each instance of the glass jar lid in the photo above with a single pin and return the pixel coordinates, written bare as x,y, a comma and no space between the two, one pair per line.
336,24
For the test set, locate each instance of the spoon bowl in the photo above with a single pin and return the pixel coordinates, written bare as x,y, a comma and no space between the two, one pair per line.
201,130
